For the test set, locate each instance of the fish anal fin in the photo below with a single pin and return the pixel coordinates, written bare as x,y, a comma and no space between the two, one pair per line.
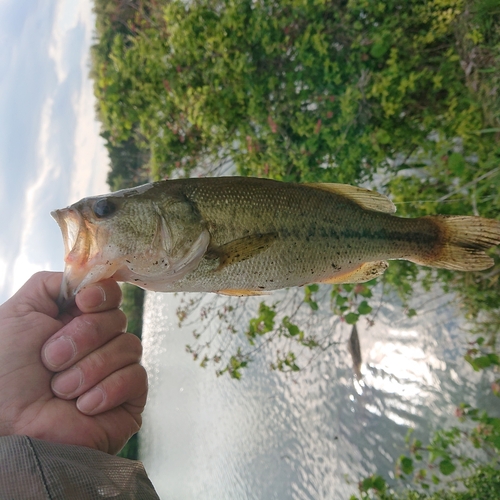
370,200
365,272
241,249
242,293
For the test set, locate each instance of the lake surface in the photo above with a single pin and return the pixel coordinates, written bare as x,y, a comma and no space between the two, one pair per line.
312,435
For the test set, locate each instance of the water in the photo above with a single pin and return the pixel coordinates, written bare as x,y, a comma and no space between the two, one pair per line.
312,435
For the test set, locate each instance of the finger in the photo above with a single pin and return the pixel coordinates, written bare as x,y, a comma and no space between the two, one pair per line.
82,335
100,296
127,387
124,350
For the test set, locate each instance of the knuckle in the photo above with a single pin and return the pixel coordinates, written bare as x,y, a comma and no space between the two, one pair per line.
97,361
120,319
124,321
133,344
87,324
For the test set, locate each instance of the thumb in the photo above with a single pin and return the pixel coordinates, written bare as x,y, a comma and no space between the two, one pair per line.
38,294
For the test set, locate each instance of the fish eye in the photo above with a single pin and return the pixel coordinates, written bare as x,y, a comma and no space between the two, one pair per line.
104,208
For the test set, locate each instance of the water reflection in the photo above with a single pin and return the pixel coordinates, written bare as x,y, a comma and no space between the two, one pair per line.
310,436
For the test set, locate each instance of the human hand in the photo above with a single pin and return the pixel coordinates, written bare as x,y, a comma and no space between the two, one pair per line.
73,377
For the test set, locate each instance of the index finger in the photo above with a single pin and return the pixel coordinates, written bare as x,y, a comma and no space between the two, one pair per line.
100,296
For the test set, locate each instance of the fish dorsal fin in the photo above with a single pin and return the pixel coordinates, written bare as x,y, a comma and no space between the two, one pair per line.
370,200
241,249
365,272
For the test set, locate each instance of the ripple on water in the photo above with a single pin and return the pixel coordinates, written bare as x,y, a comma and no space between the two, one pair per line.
307,437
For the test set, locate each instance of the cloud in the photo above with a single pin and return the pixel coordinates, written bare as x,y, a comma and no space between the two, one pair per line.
27,77
50,149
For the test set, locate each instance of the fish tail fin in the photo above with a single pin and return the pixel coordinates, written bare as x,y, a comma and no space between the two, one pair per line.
462,243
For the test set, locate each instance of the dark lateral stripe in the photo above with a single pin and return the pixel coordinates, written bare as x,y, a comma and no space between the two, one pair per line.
383,234
416,237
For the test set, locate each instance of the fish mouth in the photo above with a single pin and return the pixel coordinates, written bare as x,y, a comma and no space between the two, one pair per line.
71,224
77,238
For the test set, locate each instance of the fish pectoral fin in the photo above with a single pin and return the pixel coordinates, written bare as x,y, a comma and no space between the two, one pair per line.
365,272
241,249
242,293
370,200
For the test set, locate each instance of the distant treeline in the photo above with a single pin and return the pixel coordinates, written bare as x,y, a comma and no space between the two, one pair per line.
303,91
128,162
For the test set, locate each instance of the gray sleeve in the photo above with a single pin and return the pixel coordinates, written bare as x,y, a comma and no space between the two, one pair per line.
34,469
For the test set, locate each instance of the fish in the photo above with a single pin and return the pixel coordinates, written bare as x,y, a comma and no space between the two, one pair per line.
249,236
354,348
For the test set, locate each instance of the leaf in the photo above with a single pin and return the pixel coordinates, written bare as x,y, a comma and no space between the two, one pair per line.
494,359
382,136
495,441
411,313
379,483
456,163
366,484
446,467
406,464
378,49
340,300
364,308
481,362
292,329
351,318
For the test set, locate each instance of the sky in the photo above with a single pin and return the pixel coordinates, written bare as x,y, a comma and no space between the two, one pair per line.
51,154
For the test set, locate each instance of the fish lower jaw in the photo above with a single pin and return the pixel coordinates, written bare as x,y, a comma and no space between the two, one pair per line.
75,279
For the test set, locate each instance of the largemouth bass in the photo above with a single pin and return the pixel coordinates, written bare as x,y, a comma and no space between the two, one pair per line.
354,348
245,236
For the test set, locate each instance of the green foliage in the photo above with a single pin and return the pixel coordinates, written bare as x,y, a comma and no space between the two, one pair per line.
291,90
236,363
132,305
131,448
448,465
347,301
264,323
482,484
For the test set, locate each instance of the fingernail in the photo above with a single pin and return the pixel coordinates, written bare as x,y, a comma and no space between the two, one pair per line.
68,382
60,351
94,296
90,401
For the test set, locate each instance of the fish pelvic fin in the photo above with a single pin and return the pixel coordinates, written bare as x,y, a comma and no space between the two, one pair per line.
463,241
365,272
369,200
